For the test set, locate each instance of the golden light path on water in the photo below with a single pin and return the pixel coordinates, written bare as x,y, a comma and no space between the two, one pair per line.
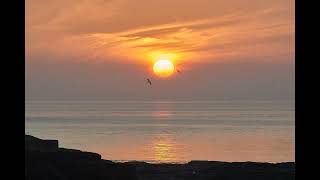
164,149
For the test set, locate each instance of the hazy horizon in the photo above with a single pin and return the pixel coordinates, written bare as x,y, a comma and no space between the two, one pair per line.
243,81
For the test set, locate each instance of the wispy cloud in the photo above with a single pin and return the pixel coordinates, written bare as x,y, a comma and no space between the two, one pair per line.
118,28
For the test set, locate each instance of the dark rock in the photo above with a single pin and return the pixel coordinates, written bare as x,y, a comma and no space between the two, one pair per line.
44,162
36,144
70,164
215,170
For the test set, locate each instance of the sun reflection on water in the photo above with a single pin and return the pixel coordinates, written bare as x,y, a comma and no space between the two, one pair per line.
164,149
162,114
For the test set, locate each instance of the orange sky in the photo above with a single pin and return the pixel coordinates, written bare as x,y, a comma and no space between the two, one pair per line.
139,31
106,48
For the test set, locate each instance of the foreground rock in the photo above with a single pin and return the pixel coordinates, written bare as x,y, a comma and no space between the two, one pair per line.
213,170
45,160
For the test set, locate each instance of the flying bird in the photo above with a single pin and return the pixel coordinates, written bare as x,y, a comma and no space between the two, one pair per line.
149,81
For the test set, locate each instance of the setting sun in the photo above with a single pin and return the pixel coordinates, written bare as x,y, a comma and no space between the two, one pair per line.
167,89
163,68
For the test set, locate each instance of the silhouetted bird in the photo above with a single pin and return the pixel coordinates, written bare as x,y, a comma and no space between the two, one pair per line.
149,81
179,71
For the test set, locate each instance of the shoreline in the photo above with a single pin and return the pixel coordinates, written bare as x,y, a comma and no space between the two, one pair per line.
46,160
186,162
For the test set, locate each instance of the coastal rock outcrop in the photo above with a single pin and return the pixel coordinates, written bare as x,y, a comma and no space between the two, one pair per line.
46,161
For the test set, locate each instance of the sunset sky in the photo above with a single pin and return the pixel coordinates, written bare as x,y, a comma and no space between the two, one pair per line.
105,49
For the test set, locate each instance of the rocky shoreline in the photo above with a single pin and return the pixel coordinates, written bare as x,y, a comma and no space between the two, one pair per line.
44,159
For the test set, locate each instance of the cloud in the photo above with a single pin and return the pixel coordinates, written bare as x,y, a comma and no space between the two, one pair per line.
102,48
121,29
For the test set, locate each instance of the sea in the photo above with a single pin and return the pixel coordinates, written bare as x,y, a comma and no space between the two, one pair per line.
169,131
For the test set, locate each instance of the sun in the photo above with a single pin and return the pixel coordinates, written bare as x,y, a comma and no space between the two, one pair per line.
163,68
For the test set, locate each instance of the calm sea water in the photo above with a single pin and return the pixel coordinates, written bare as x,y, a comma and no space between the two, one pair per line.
169,131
